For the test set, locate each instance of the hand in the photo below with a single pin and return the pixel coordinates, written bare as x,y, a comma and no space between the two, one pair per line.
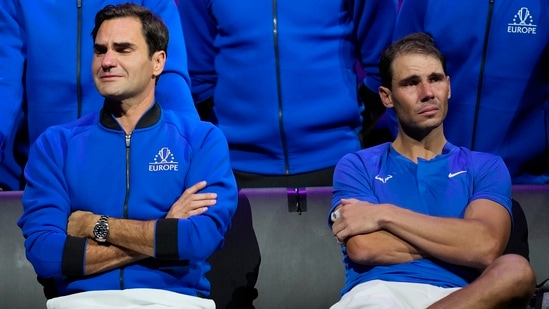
356,217
81,223
192,203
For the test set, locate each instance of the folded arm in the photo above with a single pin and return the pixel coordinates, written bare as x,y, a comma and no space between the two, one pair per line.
132,240
380,248
385,234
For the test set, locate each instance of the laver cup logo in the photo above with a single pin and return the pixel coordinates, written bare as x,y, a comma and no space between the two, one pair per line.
523,22
163,161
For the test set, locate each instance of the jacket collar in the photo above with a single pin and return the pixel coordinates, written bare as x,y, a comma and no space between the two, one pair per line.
151,117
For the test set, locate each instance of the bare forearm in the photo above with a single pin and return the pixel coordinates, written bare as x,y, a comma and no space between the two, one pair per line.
133,235
468,242
380,248
101,258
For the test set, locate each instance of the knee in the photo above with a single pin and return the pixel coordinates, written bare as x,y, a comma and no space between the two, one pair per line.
517,272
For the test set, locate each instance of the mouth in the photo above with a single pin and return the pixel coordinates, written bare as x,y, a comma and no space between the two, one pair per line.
429,111
108,75
109,78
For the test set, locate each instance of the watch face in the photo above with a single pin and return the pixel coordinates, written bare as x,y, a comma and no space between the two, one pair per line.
101,231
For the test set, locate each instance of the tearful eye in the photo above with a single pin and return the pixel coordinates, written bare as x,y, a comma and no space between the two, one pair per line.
99,49
124,50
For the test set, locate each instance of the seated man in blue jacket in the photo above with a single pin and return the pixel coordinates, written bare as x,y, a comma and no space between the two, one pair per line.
46,46
423,223
125,205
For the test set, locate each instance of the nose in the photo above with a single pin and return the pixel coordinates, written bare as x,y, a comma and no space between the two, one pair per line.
426,92
108,61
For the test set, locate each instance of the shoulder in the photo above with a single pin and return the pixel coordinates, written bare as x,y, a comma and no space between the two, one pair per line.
73,128
371,154
471,157
55,140
364,159
485,167
189,126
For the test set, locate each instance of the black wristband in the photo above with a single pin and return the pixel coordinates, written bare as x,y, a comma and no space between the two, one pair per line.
166,239
72,263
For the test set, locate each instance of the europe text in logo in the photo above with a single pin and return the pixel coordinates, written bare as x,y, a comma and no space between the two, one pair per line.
163,161
523,22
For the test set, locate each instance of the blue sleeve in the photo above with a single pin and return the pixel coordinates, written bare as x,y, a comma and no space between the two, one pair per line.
352,180
200,236
12,60
492,181
411,18
374,23
200,31
173,88
46,206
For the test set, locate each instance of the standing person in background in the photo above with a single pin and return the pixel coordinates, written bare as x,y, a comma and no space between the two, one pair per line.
47,49
423,223
497,54
123,206
279,79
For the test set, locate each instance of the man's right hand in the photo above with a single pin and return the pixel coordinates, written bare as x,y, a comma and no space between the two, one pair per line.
192,203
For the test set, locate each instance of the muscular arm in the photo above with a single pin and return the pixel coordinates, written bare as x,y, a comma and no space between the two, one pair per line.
380,248
396,233
474,241
376,248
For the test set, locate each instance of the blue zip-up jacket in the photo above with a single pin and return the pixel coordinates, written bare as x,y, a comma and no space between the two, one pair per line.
282,75
46,55
497,53
92,165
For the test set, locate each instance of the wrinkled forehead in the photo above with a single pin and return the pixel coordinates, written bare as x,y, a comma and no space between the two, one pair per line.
120,30
406,65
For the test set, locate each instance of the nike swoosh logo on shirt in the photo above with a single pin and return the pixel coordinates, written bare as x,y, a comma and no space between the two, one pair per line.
451,175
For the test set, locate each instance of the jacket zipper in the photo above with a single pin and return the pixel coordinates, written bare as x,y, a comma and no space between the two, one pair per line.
481,73
78,56
128,137
279,90
128,143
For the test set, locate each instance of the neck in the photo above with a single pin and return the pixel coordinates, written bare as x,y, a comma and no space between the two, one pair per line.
426,148
129,111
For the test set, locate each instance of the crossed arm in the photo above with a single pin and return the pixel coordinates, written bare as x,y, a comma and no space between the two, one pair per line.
132,240
382,234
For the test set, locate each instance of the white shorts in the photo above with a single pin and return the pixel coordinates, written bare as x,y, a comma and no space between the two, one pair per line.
380,294
131,298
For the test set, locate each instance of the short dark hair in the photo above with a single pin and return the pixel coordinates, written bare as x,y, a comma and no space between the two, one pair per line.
414,43
154,30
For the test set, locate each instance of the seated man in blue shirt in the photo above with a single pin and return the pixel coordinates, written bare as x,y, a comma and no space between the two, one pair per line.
423,223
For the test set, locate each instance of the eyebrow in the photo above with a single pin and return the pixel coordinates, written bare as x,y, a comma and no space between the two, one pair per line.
416,78
121,45
409,79
437,75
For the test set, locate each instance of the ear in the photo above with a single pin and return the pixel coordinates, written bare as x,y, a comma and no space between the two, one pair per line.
385,95
159,60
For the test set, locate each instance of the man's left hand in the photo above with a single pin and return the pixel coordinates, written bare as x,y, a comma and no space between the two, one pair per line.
356,217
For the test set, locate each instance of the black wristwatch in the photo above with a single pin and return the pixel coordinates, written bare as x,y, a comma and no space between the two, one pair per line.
101,229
